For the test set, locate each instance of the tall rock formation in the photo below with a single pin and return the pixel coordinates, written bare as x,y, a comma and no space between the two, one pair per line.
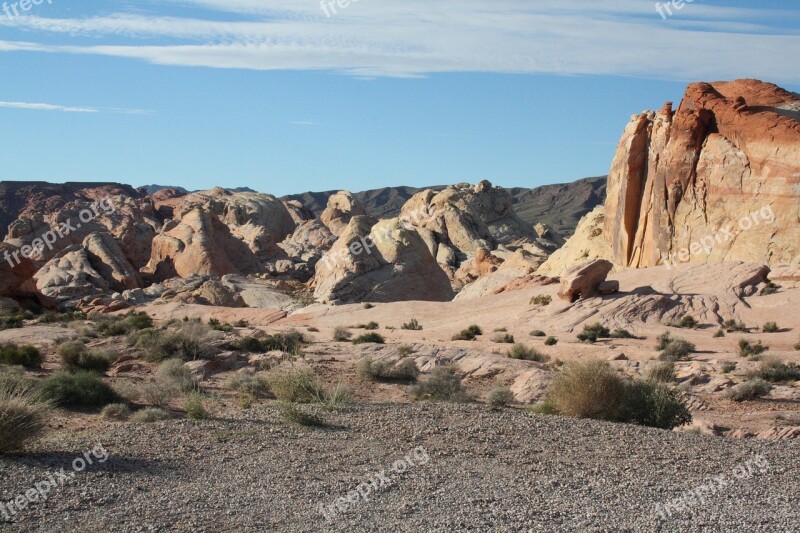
716,180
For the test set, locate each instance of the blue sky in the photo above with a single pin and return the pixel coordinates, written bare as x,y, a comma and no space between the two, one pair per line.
282,98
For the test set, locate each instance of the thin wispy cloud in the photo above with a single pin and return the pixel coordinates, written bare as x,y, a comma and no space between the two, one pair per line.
71,109
418,37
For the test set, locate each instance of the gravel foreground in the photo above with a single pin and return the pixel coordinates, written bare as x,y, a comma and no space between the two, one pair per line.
464,468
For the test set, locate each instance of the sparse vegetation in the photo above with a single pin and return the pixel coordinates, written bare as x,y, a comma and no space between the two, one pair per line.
189,342
79,389
405,350
621,334
551,341
720,333
501,396
661,372
372,326
116,411
732,326
537,333
503,338
770,327
686,322
291,342
442,384
525,353
255,385
115,326
728,367
295,384
412,325
76,356
342,334
500,330
750,390
302,416
541,299
748,349
594,390
469,334
776,371
593,332
216,325
377,338
23,415
674,348
159,392
372,370
150,415
25,355
195,407
241,324
173,370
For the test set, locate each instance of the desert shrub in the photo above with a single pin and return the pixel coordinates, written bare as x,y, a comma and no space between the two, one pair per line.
116,411
750,390
371,370
216,325
686,322
748,349
469,334
504,338
79,389
175,371
368,305
412,325
770,327
541,299
342,334
442,384
720,333
115,326
302,416
405,350
525,353
501,396
594,390
195,407
776,371
500,330
551,341
76,356
255,385
23,415
377,338
150,415
677,349
537,333
11,321
295,384
593,332
661,372
25,355
372,326
797,346
291,342
65,317
312,329
159,392
241,324
335,397
621,334
732,326
728,367
771,288
248,344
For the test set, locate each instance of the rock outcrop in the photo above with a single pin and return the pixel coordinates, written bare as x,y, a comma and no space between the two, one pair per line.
379,262
587,244
342,207
584,281
716,180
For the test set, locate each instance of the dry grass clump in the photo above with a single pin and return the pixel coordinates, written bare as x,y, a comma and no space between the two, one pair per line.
774,370
542,299
748,349
593,332
661,372
26,355
76,356
469,334
342,334
412,325
302,416
503,338
23,414
255,385
525,353
150,415
374,370
442,384
78,389
501,396
674,348
750,390
174,371
366,338
116,411
686,322
295,384
770,327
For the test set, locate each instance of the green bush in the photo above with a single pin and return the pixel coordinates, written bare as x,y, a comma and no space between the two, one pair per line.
720,333
542,299
372,326
302,416
501,396
342,334
216,325
732,326
372,370
505,338
661,372
115,326
26,355
520,351
751,390
621,334
412,325
51,317
23,415
79,389
770,327
254,385
76,356
150,415
195,407
748,349
686,322
11,322
295,384
551,341
291,342
241,324
377,338
594,390
776,371
442,384
592,332
677,349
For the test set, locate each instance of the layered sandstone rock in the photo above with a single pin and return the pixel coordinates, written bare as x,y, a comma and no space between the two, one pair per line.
342,207
716,180
516,273
587,244
16,271
585,281
379,262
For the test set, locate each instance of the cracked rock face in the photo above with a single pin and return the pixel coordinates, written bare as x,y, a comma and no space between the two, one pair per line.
716,180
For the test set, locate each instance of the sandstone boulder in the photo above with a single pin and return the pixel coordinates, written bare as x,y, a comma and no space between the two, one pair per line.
583,281
16,271
587,244
342,207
